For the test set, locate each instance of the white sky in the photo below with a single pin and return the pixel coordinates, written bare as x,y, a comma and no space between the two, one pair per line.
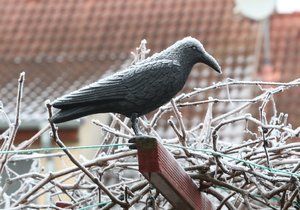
288,6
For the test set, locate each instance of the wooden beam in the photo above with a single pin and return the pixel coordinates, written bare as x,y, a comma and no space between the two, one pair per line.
161,169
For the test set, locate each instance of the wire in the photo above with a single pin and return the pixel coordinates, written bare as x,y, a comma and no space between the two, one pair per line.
50,149
208,151
94,205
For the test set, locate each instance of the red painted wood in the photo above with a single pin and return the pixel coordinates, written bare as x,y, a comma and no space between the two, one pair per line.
63,204
159,166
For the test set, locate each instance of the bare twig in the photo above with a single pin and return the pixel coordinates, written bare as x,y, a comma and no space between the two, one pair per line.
17,121
238,175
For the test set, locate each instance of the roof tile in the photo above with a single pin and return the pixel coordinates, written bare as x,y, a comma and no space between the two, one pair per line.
63,45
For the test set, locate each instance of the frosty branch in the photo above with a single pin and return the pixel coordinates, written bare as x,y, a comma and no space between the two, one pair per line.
261,171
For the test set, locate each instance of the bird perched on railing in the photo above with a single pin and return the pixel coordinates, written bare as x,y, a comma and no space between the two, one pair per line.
139,89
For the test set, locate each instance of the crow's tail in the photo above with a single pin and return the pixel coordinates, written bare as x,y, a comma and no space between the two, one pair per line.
68,114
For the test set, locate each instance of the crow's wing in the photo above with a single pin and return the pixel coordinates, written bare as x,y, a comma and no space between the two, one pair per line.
161,80
109,88
116,86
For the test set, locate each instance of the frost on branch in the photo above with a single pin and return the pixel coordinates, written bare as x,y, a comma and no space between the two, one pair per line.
261,172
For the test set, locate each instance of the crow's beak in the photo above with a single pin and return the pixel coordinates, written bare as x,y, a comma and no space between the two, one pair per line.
212,62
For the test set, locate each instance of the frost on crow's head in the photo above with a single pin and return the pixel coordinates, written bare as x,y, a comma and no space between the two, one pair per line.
190,42
191,50
189,45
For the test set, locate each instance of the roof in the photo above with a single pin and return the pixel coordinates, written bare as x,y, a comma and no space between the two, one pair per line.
285,57
63,45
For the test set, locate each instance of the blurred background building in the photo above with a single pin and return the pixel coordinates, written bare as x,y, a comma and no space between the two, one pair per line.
64,44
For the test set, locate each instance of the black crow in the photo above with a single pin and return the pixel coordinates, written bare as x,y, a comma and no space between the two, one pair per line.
139,89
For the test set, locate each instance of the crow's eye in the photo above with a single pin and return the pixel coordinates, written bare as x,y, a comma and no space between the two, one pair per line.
194,48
